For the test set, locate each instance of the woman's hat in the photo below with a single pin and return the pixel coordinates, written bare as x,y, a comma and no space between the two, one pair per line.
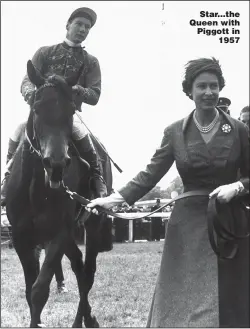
84,12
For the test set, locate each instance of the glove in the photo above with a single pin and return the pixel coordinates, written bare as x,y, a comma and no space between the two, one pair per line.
226,192
106,202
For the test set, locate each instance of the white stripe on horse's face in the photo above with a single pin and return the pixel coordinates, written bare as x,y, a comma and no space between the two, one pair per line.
46,177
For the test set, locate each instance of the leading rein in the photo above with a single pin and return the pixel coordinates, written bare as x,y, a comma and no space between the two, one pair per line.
214,219
84,202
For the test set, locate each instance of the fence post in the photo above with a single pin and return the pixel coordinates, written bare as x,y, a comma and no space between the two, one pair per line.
85,236
130,230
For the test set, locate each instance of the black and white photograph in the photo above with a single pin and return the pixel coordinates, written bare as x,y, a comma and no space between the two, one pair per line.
125,164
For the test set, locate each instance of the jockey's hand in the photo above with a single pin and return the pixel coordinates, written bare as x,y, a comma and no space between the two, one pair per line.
107,202
77,88
226,192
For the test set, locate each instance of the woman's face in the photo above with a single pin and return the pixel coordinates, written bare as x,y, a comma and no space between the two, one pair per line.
205,91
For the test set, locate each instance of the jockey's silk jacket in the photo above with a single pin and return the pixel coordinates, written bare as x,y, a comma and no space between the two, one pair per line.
66,61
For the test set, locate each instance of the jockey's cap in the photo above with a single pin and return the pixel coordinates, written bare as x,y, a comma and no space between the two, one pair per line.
84,12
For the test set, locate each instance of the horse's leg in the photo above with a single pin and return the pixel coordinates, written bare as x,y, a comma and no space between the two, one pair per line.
30,263
58,275
37,252
40,289
60,278
85,278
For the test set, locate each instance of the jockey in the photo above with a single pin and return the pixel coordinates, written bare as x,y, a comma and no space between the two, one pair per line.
65,59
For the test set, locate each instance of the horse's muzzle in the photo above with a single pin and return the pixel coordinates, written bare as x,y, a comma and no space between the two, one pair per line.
50,163
55,170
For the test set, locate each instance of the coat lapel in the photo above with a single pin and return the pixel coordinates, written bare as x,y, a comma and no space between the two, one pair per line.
221,144
218,149
195,146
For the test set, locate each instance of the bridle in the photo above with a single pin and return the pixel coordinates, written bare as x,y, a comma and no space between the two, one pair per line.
38,152
33,149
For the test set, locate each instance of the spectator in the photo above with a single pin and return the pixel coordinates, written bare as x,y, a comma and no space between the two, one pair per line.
244,115
223,104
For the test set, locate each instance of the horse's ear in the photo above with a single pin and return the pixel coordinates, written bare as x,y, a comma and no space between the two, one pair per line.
72,81
34,76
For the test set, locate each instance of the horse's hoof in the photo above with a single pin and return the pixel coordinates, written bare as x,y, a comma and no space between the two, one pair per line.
41,325
75,325
96,324
93,323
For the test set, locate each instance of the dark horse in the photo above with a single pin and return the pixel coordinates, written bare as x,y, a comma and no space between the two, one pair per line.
39,209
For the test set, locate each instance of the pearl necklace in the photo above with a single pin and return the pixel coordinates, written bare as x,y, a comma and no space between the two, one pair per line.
206,129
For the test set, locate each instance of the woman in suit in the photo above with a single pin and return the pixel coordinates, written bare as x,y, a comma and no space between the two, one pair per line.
194,287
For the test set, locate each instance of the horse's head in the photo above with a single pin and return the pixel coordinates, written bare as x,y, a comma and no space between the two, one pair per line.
52,110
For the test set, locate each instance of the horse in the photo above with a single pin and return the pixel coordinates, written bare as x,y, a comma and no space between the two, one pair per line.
39,208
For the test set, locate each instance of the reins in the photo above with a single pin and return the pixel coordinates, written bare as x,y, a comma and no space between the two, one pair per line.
93,136
83,201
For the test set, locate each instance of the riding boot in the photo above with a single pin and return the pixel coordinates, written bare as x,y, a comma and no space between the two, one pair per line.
87,151
11,151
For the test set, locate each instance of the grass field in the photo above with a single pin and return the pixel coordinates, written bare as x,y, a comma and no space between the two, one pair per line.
121,295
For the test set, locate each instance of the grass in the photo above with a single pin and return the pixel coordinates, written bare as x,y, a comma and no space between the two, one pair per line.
120,297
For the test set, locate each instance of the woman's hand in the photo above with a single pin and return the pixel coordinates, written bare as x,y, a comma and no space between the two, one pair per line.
107,203
226,192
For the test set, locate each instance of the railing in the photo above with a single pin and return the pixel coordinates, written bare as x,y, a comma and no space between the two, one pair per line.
6,229
163,215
